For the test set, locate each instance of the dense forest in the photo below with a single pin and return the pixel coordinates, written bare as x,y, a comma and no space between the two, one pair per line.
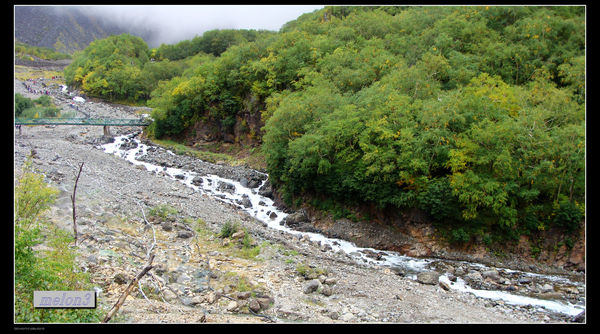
475,115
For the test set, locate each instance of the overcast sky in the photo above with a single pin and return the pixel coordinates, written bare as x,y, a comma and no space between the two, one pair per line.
179,22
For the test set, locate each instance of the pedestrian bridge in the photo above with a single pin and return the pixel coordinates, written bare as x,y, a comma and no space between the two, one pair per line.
84,121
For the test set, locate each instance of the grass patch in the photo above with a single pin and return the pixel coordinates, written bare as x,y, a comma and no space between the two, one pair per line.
182,149
309,271
232,155
164,212
23,73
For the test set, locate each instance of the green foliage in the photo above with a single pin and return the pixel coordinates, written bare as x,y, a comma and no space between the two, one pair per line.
164,212
23,50
36,271
22,103
228,229
111,68
309,271
41,107
475,114
213,42
567,216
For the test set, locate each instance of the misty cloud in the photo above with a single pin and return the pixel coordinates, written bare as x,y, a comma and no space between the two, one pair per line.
172,23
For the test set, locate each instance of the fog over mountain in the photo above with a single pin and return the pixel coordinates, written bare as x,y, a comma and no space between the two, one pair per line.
76,26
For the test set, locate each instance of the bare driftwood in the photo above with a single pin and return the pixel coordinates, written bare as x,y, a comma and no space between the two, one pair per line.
130,287
73,201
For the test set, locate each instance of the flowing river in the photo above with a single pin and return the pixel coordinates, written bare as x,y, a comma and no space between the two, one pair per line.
262,208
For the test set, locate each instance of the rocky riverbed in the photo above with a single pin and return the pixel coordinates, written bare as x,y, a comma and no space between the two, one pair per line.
201,277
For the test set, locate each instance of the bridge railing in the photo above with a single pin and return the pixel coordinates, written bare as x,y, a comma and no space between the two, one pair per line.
84,121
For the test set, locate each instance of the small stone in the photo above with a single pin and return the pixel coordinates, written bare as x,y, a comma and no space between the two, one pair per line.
264,302
169,295
326,290
212,298
120,278
330,281
347,316
475,276
185,234
232,306
491,274
166,226
311,286
197,300
238,235
244,295
254,305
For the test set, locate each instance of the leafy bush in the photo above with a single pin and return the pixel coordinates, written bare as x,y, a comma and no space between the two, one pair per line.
228,229
438,200
41,107
22,49
568,216
21,104
163,211
460,235
37,271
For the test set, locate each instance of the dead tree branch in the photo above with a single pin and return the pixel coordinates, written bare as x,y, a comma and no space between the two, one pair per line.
131,285
73,201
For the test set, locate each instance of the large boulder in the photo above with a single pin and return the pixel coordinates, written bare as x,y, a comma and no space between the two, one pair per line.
295,218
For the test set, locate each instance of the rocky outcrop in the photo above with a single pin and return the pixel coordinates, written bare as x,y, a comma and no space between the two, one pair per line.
411,233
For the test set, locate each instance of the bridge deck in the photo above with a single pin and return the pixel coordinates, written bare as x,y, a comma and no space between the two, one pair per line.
83,121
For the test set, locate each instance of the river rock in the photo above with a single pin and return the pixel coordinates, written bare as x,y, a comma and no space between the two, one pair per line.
245,201
169,295
120,278
295,218
226,187
311,286
238,235
244,295
185,234
166,226
232,306
474,276
524,280
326,290
197,181
266,190
253,305
579,318
428,277
491,274
444,285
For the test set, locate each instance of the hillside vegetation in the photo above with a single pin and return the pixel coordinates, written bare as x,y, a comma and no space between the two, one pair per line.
475,115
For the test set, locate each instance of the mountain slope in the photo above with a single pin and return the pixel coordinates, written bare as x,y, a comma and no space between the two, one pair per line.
65,29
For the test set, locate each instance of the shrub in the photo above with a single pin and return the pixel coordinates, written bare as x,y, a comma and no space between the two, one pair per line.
459,235
568,216
22,103
52,270
228,229
163,211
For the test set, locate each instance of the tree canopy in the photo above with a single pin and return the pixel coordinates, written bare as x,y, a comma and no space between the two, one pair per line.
474,114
